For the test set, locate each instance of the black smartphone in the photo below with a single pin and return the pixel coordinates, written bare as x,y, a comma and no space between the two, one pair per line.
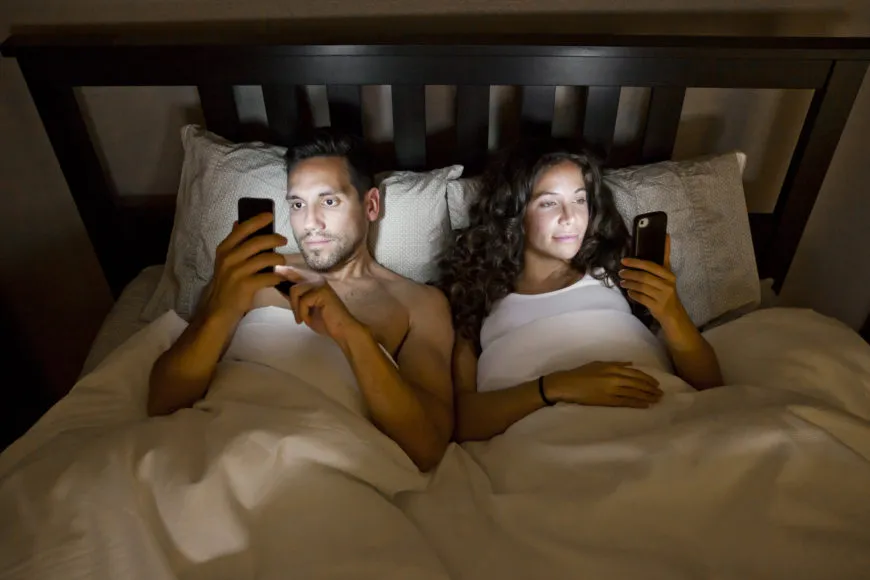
648,237
250,207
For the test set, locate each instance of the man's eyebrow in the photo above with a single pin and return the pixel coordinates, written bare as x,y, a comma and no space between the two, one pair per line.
321,194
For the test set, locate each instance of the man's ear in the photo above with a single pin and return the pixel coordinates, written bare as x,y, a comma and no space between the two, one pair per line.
372,204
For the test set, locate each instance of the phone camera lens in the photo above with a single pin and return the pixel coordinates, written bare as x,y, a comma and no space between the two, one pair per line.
643,223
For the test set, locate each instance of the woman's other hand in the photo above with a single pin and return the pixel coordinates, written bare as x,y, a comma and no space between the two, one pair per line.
610,384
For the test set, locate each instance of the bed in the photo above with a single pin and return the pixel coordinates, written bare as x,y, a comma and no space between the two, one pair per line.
776,490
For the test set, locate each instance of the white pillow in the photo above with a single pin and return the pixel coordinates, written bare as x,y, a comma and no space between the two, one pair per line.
414,225
406,238
711,251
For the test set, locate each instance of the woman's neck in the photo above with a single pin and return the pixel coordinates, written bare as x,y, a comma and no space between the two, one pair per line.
541,275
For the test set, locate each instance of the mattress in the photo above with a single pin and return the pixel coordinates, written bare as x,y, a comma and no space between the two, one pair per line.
124,320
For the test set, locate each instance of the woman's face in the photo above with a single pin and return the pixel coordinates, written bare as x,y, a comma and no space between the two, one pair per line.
557,215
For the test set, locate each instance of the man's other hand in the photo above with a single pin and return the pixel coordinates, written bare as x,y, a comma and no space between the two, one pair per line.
318,306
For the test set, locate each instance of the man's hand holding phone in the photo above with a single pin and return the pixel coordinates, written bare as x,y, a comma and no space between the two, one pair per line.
238,263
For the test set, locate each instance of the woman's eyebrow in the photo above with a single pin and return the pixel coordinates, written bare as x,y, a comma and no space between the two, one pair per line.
538,194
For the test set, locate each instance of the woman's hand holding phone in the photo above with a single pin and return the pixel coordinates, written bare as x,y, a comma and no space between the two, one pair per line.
655,287
608,384
238,263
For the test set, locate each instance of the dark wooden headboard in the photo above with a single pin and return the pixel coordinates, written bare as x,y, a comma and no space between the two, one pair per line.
128,233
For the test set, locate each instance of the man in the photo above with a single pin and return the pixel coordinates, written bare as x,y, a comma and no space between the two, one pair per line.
340,292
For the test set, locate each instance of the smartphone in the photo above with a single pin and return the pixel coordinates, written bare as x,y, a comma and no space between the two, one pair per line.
250,207
648,237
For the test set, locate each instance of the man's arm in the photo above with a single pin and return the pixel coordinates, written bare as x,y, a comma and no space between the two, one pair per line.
412,404
182,374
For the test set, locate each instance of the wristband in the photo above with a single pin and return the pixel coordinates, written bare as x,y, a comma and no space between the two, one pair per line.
544,398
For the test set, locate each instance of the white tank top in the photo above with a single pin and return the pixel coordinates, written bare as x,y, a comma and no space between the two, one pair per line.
612,332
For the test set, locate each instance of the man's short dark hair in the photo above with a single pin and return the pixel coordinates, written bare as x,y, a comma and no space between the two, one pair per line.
331,143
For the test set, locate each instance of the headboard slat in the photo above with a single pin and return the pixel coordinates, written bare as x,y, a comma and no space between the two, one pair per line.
536,116
282,111
472,126
91,192
599,120
826,118
662,123
345,109
220,110
409,126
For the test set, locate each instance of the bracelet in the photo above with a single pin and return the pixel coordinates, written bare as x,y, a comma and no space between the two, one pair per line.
544,398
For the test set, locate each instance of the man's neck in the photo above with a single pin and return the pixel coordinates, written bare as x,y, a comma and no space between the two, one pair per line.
358,265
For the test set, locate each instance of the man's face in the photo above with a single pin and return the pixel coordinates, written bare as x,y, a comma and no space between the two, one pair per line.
329,219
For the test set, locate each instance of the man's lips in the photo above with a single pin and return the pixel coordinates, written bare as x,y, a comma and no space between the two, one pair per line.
316,241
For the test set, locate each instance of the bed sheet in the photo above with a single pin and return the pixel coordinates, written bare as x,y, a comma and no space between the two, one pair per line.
277,469
124,319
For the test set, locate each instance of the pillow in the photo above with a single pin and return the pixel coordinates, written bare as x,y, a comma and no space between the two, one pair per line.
406,237
214,175
711,250
413,226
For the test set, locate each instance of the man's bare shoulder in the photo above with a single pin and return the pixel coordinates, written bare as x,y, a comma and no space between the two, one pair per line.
421,300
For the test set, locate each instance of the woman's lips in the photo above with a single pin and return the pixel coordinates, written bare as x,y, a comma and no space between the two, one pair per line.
566,238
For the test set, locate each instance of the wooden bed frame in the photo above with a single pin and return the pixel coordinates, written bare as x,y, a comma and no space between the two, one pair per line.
129,233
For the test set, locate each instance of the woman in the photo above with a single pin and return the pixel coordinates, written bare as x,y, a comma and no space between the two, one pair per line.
545,239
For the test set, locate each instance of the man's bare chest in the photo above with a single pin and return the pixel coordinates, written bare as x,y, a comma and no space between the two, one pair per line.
384,314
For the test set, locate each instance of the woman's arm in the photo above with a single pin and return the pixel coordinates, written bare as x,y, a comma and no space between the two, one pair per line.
694,358
485,415
655,287
482,416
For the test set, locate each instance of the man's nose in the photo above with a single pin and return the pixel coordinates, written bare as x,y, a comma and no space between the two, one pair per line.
313,219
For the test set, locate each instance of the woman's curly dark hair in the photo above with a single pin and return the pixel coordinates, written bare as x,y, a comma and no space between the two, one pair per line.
482,263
